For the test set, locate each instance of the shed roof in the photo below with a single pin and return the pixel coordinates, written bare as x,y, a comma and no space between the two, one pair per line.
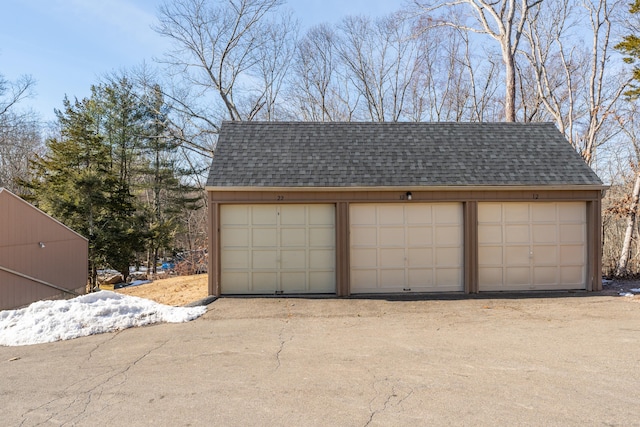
334,155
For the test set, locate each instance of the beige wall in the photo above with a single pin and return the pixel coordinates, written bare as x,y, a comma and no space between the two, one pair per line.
469,198
61,262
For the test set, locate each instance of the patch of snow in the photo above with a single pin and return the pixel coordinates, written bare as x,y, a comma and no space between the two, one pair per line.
636,290
95,313
626,294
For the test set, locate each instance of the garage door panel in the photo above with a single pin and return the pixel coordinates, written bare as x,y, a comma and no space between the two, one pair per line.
572,275
235,282
545,275
544,233
264,282
234,259
264,259
516,213
293,215
293,237
364,258
364,280
322,259
390,215
364,236
322,215
292,259
543,212
277,248
365,215
572,212
391,257
490,234
448,278
322,281
322,237
490,255
264,215
419,215
491,278
447,214
571,254
448,257
516,233
517,255
392,278
572,233
448,235
517,276
540,240
236,237
545,255
421,277
235,215
420,236
391,236
420,257
403,247
263,237
489,213
293,281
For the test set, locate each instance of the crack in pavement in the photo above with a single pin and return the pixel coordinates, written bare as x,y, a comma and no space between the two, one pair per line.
86,397
394,393
282,343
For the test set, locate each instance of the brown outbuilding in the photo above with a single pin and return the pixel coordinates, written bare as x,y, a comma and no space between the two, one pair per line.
40,258
370,208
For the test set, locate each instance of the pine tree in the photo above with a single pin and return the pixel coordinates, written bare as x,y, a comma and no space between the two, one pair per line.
166,195
630,47
73,179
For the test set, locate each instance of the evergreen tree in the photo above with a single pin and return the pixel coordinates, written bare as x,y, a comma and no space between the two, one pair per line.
165,193
630,47
73,180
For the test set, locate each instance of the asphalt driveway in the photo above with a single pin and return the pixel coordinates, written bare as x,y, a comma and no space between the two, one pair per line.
343,362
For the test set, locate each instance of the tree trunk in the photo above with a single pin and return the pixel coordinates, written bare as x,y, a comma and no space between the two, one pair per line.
621,270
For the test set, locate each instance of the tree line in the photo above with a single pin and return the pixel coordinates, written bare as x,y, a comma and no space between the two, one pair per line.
128,164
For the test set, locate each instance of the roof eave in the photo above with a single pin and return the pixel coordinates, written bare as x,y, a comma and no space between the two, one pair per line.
567,187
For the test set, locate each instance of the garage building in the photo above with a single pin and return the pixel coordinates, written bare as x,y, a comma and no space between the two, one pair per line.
40,258
371,208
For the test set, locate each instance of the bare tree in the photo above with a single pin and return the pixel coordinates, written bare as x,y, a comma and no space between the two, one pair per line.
230,53
382,60
19,132
576,84
502,20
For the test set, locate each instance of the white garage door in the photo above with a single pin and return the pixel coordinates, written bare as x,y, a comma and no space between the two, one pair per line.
408,247
277,249
524,246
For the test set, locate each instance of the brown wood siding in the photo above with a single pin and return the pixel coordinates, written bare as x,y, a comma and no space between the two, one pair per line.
342,249
399,196
62,261
469,198
594,245
471,247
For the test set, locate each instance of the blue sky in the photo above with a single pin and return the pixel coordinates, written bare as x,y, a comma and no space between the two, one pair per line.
67,45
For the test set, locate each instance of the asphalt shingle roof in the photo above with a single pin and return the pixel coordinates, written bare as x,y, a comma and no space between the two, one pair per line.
321,154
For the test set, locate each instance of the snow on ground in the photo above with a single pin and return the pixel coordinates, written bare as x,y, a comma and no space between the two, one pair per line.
95,313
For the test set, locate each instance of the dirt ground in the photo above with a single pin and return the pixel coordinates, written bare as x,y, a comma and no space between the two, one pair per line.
182,290
176,291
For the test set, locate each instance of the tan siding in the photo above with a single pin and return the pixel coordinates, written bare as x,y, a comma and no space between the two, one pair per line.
62,261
